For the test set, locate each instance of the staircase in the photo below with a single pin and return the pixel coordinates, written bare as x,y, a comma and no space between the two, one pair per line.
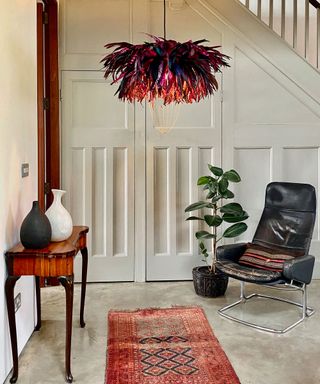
295,21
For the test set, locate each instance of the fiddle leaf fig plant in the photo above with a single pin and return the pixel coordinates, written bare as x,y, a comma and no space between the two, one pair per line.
216,186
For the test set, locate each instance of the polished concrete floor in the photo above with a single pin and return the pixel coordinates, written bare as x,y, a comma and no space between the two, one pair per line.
257,357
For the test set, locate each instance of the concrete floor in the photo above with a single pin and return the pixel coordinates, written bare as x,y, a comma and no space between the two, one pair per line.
257,357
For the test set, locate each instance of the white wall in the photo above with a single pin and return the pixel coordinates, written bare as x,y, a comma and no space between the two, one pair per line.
18,144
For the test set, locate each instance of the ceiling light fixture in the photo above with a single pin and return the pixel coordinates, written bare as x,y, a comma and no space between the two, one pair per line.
164,71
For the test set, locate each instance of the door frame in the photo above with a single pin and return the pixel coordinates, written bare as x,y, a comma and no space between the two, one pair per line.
40,111
48,130
48,101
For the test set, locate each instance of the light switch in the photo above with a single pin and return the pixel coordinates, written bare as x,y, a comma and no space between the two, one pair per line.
25,170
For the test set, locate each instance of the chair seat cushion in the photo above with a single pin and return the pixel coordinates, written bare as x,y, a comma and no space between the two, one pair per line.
260,257
251,275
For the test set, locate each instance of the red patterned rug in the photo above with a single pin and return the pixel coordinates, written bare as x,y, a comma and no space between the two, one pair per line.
165,346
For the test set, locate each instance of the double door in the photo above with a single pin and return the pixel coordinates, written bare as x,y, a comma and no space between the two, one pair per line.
124,179
130,183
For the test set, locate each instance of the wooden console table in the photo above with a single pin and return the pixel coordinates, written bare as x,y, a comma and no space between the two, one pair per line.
56,260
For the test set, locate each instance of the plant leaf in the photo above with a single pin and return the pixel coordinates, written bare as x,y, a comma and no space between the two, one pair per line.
203,250
204,180
231,208
223,185
215,170
213,221
194,218
198,205
210,195
204,235
235,218
235,230
232,175
216,198
213,186
228,194
205,255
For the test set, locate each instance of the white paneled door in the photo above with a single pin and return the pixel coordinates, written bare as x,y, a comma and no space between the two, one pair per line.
125,180
98,173
174,162
104,158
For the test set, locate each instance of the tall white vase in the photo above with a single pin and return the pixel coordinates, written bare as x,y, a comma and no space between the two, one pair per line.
59,217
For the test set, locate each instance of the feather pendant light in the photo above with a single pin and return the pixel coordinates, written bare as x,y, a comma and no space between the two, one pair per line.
164,72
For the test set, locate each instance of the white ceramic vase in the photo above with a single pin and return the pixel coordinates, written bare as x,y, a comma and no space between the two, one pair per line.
59,217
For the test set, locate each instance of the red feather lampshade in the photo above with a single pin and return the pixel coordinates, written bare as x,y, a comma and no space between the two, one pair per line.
164,69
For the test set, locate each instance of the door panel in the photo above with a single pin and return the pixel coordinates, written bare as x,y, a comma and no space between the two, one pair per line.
175,160
98,158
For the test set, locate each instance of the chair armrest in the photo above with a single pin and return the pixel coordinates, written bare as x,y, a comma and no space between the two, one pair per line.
231,252
299,269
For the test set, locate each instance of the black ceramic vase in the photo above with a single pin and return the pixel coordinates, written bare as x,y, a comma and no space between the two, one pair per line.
35,231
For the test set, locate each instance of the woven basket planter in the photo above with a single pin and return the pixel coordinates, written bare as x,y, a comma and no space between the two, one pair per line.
209,284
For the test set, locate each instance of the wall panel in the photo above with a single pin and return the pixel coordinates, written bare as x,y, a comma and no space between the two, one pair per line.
161,201
104,113
120,202
78,186
86,26
261,99
183,190
254,167
99,175
197,115
301,165
206,156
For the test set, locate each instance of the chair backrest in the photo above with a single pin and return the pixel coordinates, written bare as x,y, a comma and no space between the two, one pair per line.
288,217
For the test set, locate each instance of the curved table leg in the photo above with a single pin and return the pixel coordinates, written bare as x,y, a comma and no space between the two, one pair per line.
67,282
9,288
38,300
84,253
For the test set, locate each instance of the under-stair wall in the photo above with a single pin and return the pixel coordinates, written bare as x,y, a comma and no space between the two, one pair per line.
271,109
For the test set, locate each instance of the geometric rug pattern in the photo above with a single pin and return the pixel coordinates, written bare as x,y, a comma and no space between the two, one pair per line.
165,346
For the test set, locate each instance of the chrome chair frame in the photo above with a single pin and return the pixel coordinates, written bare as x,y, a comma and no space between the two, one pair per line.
292,286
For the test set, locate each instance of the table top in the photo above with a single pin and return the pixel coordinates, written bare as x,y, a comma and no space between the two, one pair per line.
67,247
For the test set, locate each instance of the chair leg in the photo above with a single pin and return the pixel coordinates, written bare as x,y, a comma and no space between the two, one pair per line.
243,296
306,311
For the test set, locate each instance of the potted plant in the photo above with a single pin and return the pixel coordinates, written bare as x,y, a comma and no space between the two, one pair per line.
208,280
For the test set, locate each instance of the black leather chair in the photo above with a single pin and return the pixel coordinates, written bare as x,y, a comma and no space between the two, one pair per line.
286,226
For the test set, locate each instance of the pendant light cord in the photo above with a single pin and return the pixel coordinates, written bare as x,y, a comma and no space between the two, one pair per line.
164,20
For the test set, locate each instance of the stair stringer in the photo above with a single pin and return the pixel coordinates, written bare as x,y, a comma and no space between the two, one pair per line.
236,17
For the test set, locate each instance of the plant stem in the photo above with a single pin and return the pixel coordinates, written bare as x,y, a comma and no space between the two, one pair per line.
214,243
